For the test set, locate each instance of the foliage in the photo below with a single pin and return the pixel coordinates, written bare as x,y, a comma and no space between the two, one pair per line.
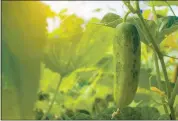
81,53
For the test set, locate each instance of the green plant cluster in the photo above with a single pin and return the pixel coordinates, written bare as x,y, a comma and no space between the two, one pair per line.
127,113
77,67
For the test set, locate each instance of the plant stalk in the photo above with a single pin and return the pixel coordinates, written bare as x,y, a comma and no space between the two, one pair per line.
159,82
158,70
126,15
170,8
54,98
160,56
172,99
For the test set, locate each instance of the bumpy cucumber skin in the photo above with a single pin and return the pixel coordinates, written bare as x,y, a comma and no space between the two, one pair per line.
127,57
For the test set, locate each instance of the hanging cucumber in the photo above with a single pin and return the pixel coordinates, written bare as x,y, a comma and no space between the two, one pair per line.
127,55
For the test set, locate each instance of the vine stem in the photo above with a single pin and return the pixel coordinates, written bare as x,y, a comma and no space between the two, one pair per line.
170,8
127,3
170,56
157,67
126,15
154,11
159,82
173,96
54,98
155,47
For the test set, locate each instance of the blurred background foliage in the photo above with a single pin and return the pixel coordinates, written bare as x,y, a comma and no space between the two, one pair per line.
80,52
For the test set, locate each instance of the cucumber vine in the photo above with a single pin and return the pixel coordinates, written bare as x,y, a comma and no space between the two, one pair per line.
157,50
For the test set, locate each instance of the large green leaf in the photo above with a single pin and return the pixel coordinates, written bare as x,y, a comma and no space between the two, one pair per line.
82,46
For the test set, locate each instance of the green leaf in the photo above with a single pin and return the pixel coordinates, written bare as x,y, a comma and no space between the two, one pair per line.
166,26
49,79
57,57
149,113
82,46
149,15
112,20
106,63
68,82
162,12
63,11
92,42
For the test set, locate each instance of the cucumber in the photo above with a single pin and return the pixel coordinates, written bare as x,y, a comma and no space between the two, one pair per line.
127,56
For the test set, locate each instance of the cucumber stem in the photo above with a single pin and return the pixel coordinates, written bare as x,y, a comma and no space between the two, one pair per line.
126,15
127,3
159,82
157,66
156,48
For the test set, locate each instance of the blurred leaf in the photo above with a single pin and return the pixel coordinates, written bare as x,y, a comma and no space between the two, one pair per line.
85,100
69,102
44,105
111,20
106,63
163,12
161,3
92,42
100,89
142,97
170,42
97,10
149,15
56,110
166,26
134,104
149,113
49,79
167,22
63,11
68,82
57,57
83,47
